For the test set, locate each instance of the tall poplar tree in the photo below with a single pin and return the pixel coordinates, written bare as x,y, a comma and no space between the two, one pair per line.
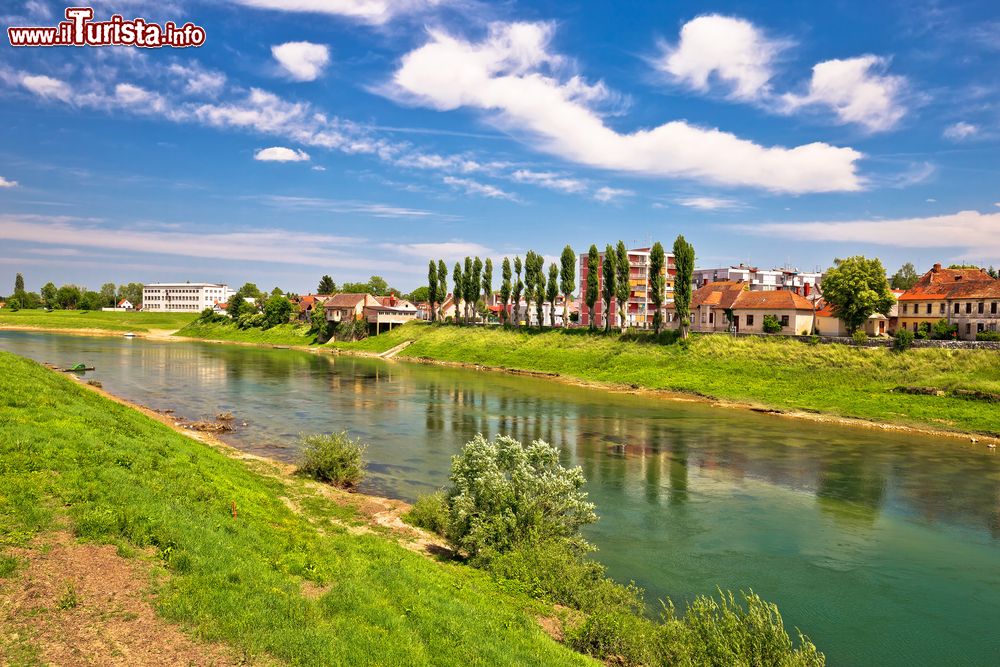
552,292
442,286
540,289
505,290
622,287
567,279
456,277
684,263
432,287
487,283
518,286
476,286
593,282
609,273
657,283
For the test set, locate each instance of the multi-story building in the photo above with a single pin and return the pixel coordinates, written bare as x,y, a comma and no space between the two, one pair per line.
804,283
954,295
183,297
640,308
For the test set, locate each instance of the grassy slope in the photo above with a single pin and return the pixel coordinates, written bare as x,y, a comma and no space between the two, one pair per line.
68,455
284,334
777,373
89,319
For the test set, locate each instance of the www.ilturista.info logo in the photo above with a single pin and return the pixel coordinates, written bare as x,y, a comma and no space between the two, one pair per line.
79,29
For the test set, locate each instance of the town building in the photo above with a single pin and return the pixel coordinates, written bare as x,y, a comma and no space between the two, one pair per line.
733,306
804,283
389,311
183,297
308,302
954,295
348,307
640,308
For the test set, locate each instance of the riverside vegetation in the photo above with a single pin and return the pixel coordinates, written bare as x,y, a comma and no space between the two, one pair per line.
287,578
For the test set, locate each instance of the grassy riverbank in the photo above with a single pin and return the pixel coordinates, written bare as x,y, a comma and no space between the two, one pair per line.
776,373
94,320
283,334
291,578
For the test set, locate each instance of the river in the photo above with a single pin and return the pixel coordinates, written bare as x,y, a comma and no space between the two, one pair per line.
883,547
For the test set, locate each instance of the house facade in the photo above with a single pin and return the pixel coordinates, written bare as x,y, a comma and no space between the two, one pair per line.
966,298
732,305
183,297
347,307
639,308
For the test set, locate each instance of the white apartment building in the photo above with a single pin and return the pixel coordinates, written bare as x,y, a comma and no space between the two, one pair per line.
804,283
183,297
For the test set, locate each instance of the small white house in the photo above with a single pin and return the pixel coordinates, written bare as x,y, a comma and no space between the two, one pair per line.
124,304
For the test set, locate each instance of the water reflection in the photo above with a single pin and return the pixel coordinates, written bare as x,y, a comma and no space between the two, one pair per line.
842,527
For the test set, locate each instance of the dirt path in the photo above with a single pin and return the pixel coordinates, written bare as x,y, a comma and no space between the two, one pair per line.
83,604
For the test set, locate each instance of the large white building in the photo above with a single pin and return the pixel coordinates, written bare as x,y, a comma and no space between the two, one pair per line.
183,297
804,283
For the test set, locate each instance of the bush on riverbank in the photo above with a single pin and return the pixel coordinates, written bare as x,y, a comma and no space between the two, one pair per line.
334,459
516,512
283,334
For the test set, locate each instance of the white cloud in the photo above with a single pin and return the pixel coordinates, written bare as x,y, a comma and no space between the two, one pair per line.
708,203
512,74
280,154
960,131
303,60
732,50
347,206
198,81
857,90
472,187
445,250
367,11
977,234
47,87
319,167
607,194
548,179
4,183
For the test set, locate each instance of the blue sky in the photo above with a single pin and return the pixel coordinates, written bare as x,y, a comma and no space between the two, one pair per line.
359,137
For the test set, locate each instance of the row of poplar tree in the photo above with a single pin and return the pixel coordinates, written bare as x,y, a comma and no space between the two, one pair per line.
473,280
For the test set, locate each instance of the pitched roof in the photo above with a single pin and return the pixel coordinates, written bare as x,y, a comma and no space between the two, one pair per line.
981,289
772,300
345,300
938,282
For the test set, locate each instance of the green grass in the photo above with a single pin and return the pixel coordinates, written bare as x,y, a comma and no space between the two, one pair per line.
773,373
95,319
69,456
283,334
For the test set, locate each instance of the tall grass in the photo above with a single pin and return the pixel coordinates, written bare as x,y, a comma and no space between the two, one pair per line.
283,334
95,319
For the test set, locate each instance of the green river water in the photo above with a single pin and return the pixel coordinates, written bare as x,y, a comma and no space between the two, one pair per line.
883,547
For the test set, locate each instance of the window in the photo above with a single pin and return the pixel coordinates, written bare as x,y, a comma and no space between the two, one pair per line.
905,307
941,309
749,320
968,328
993,308
982,307
979,327
784,320
928,309
956,307
711,318
968,307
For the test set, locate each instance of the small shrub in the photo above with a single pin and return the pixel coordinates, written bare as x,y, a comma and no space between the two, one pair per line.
430,512
8,566
860,337
923,331
988,335
903,340
944,331
619,638
772,324
813,340
335,459
250,321
69,599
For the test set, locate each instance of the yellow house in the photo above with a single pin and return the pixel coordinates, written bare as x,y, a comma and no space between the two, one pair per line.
927,301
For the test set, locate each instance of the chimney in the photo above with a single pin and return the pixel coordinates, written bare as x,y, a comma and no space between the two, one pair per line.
807,288
937,267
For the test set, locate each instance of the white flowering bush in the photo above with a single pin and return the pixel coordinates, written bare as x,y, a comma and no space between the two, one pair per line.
505,494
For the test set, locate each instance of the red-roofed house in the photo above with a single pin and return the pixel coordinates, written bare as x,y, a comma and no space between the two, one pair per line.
347,307
927,301
732,306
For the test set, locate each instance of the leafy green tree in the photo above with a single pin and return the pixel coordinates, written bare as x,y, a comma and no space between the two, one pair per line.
657,283
68,296
518,286
277,310
377,286
468,294
944,331
567,279
505,290
622,286
487,282
432,288
31,300
108,292
318,324
905,278
539,289
684,263
593,283
771,324
19,286
610,273
505,495
442,286
475,284
250,291
326,286
459,282
551,292
993,273
418,295
49,291
89,300
530,282
132,292
236,306
277,291
856,288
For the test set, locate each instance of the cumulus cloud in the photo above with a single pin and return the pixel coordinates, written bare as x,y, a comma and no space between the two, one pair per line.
4,183
960,131
512,74
732,50
366,11
304,61
607,194
280,154
47,87
975,233
708,203
857,90
472,187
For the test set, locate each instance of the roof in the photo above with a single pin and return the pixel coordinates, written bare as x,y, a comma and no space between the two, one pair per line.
345,300
123,302
981,289
938,283
183,285
772,300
